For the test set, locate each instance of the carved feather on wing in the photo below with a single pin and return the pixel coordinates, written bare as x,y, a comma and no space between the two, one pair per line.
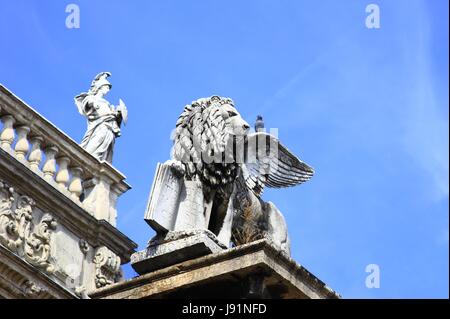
270,163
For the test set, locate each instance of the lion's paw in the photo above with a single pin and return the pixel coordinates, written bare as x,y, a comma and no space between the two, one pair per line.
177,167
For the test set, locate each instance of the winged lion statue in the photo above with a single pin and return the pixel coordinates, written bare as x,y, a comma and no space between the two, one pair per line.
223,169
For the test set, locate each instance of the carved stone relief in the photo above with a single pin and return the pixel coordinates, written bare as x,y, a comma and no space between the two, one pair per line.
107,267
20,232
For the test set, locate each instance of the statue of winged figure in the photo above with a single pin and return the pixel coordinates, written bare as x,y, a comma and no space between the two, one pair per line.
103,119
230,167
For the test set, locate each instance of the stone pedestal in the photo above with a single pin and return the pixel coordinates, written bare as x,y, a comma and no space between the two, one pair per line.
255,270
173,248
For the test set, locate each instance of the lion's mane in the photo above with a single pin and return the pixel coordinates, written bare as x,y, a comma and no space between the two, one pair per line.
201,134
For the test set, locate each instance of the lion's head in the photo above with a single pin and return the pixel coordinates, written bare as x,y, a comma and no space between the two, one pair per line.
204,137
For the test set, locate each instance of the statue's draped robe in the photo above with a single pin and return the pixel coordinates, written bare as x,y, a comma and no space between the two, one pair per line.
102,127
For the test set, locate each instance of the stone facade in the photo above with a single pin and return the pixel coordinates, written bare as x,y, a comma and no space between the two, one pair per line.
58,235
57,211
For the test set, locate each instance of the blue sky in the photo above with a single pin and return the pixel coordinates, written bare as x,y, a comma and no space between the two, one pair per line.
367,108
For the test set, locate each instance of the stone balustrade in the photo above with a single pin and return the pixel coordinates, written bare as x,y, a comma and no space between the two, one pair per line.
51,154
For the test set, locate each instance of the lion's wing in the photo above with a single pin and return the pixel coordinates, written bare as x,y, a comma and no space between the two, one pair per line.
270,163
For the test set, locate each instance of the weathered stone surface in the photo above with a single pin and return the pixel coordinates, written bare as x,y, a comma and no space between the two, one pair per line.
163,201
51,225
216,175
84,180
175,204
107,267
19,279
173,248
255,270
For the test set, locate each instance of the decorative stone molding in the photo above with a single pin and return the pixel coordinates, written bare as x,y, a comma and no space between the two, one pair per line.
19,280
31,289
81,292
15,218
7,135
20,234
107,267
37,247
84,246
35,156
22,146
27,136
254,270
42,171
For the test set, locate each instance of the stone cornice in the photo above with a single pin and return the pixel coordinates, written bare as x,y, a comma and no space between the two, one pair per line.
260,254
72,216
15,273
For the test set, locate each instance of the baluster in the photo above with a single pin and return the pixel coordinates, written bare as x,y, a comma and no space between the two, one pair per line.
7,135
49,168
62,178
76,186
22,145
35,156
